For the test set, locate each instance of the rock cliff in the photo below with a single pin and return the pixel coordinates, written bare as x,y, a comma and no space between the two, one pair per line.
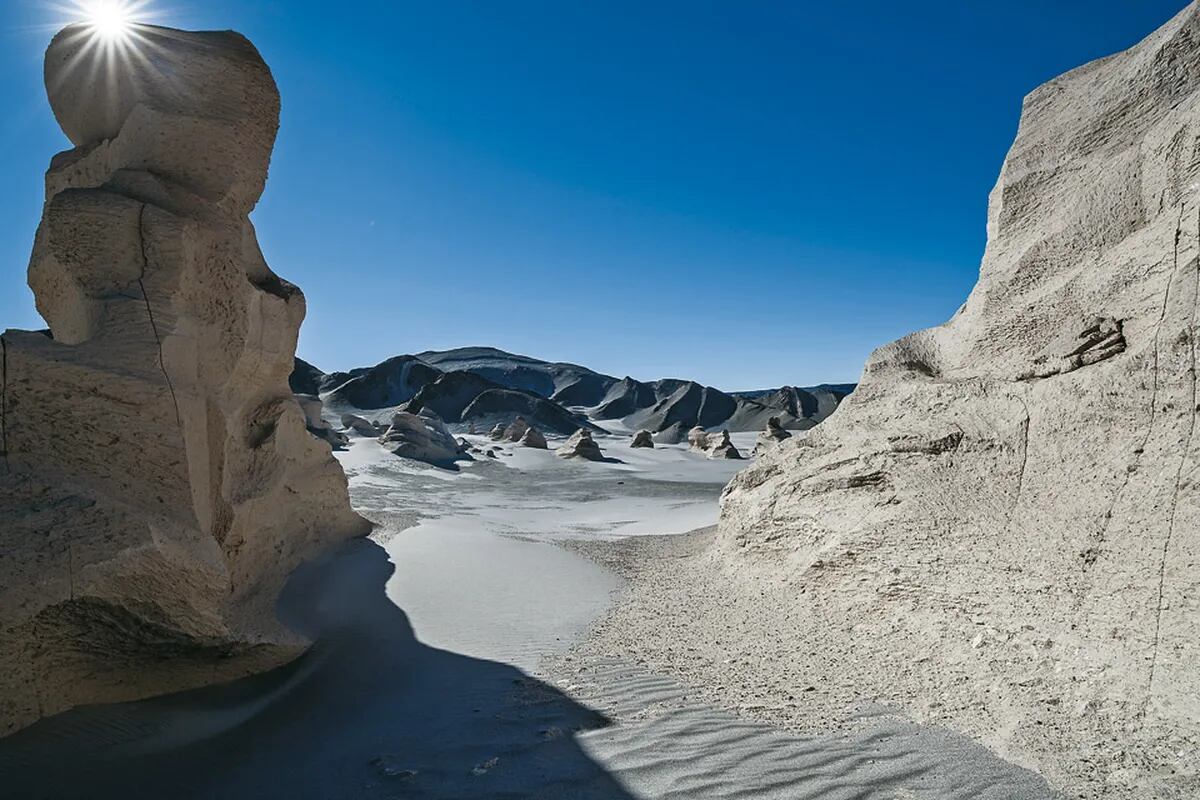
1000,529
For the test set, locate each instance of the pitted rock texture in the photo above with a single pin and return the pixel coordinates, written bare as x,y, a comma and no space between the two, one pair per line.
159,483
1000,529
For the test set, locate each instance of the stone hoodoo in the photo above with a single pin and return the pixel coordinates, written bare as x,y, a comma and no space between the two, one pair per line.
642,438
581,445
771,435
158,483
1017,489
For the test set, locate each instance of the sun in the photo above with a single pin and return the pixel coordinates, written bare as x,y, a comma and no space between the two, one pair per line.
110,20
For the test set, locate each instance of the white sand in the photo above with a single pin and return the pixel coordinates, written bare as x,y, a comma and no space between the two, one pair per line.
444,667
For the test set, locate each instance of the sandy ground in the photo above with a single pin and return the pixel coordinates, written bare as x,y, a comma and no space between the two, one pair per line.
472,649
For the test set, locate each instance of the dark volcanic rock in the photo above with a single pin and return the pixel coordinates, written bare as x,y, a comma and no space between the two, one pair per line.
450,394
503,405
385,385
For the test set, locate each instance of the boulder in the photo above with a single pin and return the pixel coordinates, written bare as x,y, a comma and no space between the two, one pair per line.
581,445
497,433
1011,500
316,424
534,438
423,437
772,435
159,483
516,430
697,439
361,426
721,447
642,439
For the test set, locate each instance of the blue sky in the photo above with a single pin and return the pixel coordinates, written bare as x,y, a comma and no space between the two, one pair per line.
747,194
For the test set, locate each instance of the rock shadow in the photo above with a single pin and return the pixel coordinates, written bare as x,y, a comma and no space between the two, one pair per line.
369,712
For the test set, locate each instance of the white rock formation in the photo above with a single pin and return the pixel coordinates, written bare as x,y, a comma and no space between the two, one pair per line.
580,445
423,437
719,446
516,430
698,439
534,438
315,422
158,483
1000,529
771,435
361,426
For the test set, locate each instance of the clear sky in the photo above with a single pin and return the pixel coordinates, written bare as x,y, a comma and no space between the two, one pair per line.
746,194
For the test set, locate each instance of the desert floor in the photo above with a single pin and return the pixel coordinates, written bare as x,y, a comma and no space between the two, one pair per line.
458,656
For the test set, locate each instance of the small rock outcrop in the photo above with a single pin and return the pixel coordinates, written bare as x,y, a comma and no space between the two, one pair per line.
772,435
534,438
581,445
361,426
158,482
314,420
697,439
516,430
423,437
642,439
497,432
719,446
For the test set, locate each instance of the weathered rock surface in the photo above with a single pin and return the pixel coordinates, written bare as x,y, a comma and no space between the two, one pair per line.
361,426
516,430
158,482
315,422
719,446
642,439
1000,529
697,439
534,438
423,437
581,445
771,435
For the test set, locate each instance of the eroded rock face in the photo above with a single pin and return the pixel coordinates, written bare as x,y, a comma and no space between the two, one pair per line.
534,438
1014,494
314,421
423,437
771,435
159,483
719,446
581,445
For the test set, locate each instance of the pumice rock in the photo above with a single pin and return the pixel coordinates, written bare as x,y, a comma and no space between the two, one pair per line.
581,445
516,430
1028,468
159,483
773,434
534,438
642,438
423,437
361,426
698,439
722,448
314,421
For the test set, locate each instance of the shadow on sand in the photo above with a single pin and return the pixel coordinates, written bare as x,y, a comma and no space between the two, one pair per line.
369,712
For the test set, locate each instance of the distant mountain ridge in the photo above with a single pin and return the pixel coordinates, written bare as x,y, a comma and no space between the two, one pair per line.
482,385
